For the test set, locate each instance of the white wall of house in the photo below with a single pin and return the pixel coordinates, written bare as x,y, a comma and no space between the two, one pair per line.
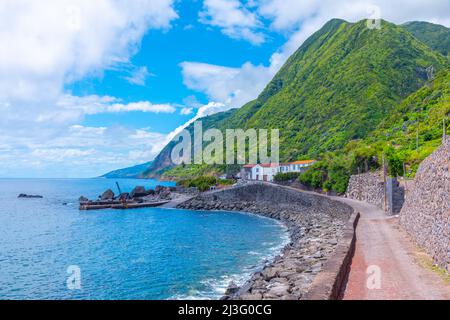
294,167
265,173
257,172
270,172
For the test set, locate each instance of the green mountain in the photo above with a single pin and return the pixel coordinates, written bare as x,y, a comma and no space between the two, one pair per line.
131,172
415,129
435,36
338,87
406,137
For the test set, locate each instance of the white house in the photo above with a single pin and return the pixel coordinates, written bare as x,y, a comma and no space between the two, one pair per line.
267,171
296,166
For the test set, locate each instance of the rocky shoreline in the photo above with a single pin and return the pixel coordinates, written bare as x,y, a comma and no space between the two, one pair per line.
315,224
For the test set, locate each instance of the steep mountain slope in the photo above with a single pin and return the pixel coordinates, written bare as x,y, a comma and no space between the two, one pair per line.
339,86
411,133
131,172
415,128
435,36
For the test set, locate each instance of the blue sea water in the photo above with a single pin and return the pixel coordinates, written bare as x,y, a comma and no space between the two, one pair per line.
150,253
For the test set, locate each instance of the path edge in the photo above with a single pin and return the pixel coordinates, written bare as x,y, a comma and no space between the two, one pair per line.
331,281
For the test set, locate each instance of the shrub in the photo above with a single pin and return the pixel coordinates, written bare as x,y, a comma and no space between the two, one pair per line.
288,176
203,183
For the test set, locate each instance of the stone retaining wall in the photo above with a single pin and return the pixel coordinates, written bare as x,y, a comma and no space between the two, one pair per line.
316,225
426,212
367,187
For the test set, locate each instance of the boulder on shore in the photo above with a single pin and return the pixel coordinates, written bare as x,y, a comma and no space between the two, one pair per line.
124,196
159,189
137,192
107,195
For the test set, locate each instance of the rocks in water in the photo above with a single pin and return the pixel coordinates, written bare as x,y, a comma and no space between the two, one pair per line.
138,192
316,224
232,289
124,196
27,196
137,196
107,195
159,188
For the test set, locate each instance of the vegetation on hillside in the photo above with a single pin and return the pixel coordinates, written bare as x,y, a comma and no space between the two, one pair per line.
348,96
128,173
435,36
287,176
204,183
409,135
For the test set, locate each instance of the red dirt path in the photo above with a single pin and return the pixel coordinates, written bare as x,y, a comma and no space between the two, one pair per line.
382,243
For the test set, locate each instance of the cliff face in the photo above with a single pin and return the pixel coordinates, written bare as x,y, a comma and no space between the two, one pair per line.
426,212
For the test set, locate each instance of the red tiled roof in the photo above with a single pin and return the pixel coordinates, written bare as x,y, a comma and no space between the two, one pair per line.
269,165
303,162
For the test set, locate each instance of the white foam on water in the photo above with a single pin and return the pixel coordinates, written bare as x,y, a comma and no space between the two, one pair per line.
216,287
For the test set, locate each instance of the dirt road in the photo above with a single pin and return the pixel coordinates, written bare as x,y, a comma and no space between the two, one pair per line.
382,246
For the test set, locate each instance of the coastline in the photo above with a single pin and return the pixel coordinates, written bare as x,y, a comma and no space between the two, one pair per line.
221,285
315,225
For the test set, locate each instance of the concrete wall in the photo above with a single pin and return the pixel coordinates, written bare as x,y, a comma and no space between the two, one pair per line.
426,212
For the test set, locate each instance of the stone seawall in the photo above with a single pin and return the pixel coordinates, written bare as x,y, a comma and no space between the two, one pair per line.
426,212
316,225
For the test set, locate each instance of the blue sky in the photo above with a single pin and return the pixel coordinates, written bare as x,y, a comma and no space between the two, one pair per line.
161,53
83,93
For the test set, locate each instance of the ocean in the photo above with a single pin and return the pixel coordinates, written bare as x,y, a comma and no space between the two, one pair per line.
51,250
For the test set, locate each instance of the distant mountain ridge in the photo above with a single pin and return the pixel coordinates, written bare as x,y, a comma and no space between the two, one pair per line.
437,37
130,172
338,86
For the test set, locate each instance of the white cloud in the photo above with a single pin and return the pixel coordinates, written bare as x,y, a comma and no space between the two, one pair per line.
306,17
205,110
70,109
230,86
49,44
143,106
234,19
138,76
76,151
60,154
186,111
299,19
